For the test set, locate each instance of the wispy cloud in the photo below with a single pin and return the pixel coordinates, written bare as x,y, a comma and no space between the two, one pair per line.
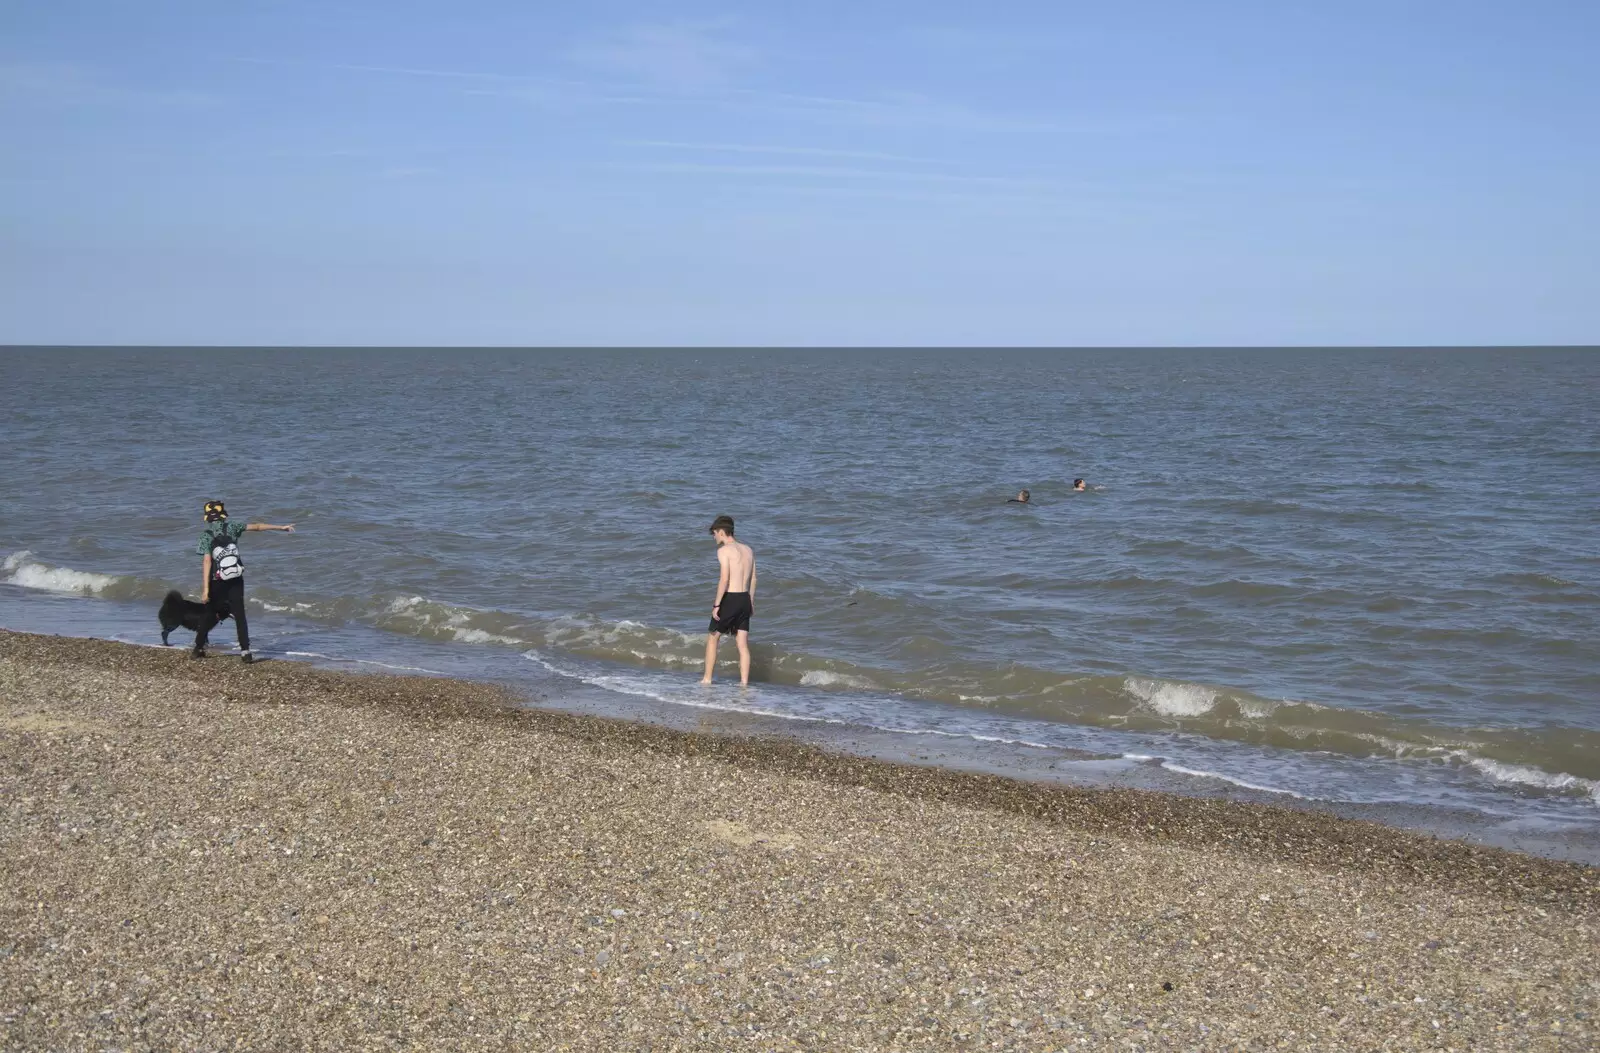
788,151
828,172
1033,203
543,89
354,67
697,83
673,57
316,154
898,109
893,111
1003,42
71,84
413,71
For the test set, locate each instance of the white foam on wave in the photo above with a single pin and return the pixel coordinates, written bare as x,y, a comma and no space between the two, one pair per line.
973,735
447,619
658,646
825,678
1199,774
1514,776
1413,750
644,687
652,645
1172,699
363,661
1256,708
466,634
279,608
1460,753
652,658
1536,779
569,631
22,570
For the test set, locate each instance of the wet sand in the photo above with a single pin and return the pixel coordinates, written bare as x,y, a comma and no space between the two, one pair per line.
204,855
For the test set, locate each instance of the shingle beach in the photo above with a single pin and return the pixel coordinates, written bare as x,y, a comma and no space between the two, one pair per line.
208,856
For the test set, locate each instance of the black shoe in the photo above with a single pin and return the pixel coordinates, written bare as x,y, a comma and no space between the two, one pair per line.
249,658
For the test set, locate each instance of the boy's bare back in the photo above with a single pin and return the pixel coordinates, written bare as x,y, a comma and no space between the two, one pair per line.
740,561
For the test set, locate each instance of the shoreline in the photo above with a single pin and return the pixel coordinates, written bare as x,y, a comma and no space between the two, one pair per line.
353,848
1282,832
913,732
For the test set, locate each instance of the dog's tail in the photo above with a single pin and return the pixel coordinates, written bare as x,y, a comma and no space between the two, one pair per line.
173,596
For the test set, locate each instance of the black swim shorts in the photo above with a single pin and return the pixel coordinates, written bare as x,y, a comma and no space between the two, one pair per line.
733,614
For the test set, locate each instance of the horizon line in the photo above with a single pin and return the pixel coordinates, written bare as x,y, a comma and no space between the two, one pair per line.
801,347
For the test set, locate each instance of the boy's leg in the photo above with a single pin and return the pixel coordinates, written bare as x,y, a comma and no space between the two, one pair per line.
235,594
742,637
711,656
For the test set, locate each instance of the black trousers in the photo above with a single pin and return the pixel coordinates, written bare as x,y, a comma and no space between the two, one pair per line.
227,595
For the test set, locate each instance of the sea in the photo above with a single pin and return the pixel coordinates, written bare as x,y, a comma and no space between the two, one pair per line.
1363,581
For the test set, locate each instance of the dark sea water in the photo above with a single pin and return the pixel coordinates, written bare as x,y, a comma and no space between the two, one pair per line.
1351,577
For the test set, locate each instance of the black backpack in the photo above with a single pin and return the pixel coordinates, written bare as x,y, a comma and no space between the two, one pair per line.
225,562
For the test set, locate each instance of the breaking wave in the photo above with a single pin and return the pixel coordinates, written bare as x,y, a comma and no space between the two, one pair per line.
22,570
1523,777
1172,700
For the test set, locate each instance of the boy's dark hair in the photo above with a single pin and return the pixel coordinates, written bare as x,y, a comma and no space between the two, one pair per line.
723,523
1075,482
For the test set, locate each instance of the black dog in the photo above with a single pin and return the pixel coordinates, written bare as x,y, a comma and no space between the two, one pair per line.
176,611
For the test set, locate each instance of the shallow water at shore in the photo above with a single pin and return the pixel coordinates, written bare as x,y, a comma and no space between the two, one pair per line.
864,725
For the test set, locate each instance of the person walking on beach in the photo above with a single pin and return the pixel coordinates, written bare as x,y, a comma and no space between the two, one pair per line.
736,591
222,571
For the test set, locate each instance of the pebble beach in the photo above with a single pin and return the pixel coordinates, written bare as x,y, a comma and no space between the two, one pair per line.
207,856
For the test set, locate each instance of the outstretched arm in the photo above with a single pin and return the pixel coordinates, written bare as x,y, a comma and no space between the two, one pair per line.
287,529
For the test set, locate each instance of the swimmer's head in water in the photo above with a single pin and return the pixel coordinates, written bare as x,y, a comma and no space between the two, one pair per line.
215,512
1077,484
1023,496
723,524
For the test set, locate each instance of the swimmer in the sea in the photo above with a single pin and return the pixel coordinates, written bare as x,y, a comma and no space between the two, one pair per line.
1078,484
1022,498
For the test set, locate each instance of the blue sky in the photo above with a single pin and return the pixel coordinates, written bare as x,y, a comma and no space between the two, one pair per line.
507,173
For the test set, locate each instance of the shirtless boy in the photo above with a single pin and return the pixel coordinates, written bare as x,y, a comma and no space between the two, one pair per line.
736,591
